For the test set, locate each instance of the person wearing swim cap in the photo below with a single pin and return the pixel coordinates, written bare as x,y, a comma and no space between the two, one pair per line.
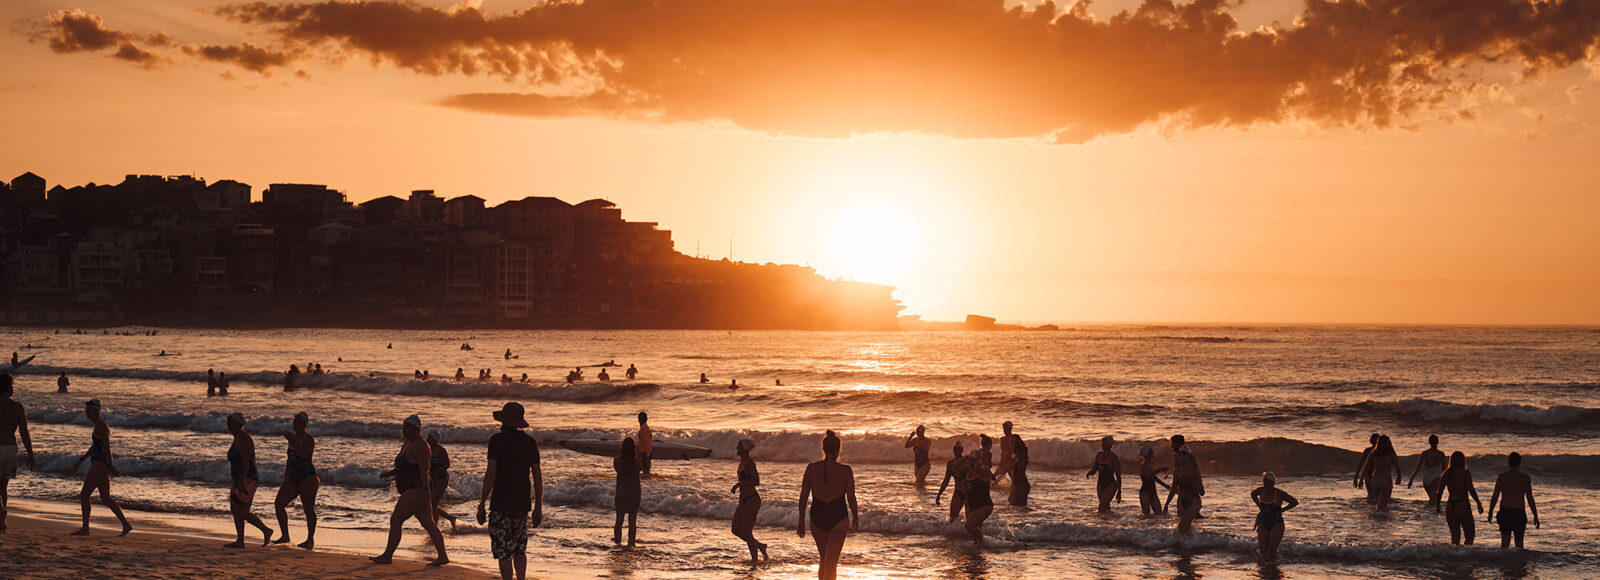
1149,478
439,481
919,444
101,468
300,480
411,479
1109,467
242,491
1270,502
744,517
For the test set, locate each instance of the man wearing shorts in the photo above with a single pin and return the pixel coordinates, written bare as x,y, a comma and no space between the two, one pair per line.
12,419
513,463
1516,487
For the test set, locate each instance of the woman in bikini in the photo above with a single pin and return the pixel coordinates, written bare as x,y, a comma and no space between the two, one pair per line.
1380,464
1271,502
411,480
1457,480
834,485
744,518
242,466
439,481
1149,478
979,504
1432,459
299,480
101,469
955,470
1109,467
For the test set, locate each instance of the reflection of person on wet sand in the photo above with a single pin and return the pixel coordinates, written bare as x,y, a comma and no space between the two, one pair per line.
1433,459
919,444
744,517
1516,487
832,485
955,470
242,466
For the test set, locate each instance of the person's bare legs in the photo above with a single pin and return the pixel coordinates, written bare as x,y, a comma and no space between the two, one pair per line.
633,527
1107,493
241,515
438,511
1452,518
744,523
404,508
1273,538
956,502
280,506
830,544
431,524
516,567
105,497
308,502
921,472
85,496
1186,514
616,530
975,519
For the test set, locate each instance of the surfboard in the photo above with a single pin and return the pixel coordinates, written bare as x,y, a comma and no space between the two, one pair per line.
660,450
21,363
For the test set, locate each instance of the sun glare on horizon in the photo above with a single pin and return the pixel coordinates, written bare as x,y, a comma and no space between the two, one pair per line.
872,243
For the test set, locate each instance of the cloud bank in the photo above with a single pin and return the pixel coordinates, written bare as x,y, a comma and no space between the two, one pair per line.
962,68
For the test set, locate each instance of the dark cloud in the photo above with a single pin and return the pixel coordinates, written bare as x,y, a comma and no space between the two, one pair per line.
73,31
246,56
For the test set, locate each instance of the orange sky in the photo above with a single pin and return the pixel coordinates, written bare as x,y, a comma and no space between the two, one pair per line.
1188,183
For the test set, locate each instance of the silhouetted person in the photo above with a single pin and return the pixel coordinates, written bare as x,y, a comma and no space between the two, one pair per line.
955,470
1515,486
318,372
777,382
833,486
603,376
424,374
1006,453
632,373
1109,467
300,480
703,379
1187,485
1271,503
13,420
62,383
101,468
628,492
242,492
1457,480
391,345
439,478
577,373
645,443
289,378
411,480
513,460
919,444
1380,463
744,517
733,384
508,354
14,358
524,377
979,504
1149,478
461,374
1019,472
222,384
211,382
1433,460
1361,481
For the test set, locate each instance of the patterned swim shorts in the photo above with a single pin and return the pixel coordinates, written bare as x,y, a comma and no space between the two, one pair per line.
508,534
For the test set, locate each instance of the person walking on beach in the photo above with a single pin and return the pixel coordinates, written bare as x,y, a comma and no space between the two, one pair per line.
13,420
1109,467
628,492
1380,463
411,480
1007,454
1432,459
979,504
299,480
1149,478
955,470
101,468
62,383
242,493
1271,503
830,523
513,461
1457,480
645,443
1361,481
1019,472
1516,486
439,480
1187,485
919,445
744,517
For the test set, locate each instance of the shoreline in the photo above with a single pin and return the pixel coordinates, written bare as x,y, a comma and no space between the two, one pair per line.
37,544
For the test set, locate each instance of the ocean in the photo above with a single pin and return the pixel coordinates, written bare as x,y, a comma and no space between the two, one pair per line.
1296,400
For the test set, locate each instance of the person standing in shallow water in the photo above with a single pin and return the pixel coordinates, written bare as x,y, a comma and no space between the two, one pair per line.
1361,481
1516,486
290,377
1109,467
1380,463
645,443
1457,480
513,462
628,492
299,480
1433,460
1019,471
1007,454
242,493
411,480
1271,503
62,383
1187,485
744,517
919,445
101,468
1149,478
979,504
830,523
955,470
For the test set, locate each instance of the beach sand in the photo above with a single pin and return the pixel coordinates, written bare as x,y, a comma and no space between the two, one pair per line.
37,545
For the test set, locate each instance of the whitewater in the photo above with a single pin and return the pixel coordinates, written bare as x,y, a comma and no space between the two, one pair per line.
1299,401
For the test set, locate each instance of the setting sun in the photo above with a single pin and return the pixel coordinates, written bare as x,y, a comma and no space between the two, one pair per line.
872,242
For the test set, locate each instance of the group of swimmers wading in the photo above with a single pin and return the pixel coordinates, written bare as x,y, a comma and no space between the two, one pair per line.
1450,480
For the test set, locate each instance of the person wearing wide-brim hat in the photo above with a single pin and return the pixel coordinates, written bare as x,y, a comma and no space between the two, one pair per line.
515,483
410,475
